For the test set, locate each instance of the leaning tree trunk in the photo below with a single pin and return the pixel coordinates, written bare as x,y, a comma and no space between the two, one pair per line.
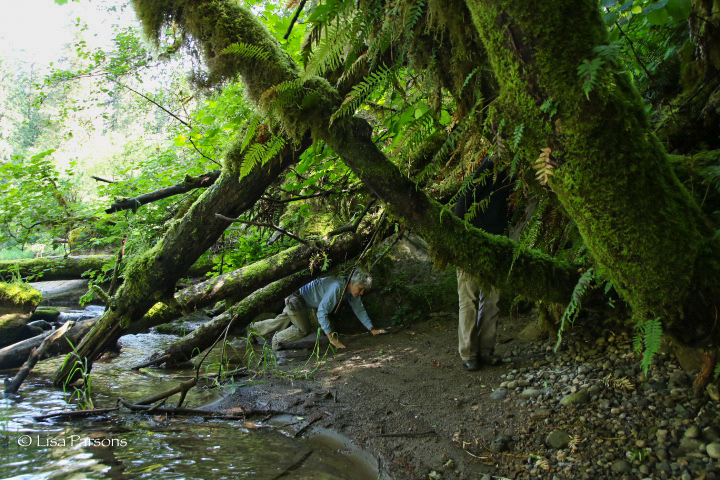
643,228
533,274
151,277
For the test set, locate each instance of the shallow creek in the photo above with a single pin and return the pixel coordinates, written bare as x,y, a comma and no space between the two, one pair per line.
129,445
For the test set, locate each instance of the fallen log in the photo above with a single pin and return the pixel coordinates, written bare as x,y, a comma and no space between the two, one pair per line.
69,268
13,385
15,355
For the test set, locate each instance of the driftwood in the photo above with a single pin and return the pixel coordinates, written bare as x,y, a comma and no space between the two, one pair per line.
295,465
190,183
312,420
13,385
182,389
76,413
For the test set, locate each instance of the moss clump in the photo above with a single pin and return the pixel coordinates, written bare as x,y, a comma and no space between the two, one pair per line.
19,296
47,314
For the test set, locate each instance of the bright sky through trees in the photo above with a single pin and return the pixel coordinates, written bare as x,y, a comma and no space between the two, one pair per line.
37,31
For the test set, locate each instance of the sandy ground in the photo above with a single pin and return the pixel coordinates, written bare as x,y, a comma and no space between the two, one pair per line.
406,398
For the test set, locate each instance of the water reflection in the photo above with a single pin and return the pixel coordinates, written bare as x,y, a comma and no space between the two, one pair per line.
144,446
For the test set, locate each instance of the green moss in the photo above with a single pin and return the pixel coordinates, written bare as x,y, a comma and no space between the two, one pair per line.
47,314
19,295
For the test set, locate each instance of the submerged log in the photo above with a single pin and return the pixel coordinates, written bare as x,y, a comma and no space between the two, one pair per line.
13,385
16,354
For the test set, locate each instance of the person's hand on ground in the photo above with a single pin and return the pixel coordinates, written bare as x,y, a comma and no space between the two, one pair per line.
378,331
334,340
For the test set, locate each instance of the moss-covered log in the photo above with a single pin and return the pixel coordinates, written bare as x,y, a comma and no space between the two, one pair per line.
151,277
643,228
69,268
240,283
241,314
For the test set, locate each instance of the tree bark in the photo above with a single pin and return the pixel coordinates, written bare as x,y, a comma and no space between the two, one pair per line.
16,354
641,225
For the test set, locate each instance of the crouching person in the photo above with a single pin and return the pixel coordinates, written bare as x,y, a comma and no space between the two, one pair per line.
308,308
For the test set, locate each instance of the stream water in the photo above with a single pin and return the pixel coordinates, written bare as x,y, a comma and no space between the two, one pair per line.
128,445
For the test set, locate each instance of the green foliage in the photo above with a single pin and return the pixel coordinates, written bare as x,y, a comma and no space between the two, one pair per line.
82,394
588,72
573,308
361,91
647,339
252,52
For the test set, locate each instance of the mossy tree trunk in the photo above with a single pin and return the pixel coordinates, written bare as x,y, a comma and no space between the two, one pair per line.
642,227
151,277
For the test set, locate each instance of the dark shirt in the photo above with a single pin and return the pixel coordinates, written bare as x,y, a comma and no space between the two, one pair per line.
490,215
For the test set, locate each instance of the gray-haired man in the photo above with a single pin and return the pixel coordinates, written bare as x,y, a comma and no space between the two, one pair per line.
299,318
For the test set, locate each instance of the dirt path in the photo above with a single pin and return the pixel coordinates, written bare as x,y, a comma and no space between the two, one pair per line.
586,412
405,397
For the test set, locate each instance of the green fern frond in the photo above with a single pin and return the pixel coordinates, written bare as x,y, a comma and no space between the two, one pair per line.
245,50
414,15
261,153
283,94
588,72
416,132
652,336
360,92
530,233
469,77
517,135
250,131
573,308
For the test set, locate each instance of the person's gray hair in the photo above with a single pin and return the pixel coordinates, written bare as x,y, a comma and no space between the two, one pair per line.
361,277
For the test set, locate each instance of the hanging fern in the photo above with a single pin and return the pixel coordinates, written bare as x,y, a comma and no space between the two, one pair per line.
530,234
469,77
573,308
413,16
360,92
544,166
244,50
260,153
250,131
416,131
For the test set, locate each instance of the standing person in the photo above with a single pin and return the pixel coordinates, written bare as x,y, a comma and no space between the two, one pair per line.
298,319
477,323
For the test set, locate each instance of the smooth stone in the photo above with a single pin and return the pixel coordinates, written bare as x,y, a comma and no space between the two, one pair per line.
530,393
621,466
713,450
558,439
499,394
578,398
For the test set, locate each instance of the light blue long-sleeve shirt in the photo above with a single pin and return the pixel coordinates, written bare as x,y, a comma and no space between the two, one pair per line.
324,294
